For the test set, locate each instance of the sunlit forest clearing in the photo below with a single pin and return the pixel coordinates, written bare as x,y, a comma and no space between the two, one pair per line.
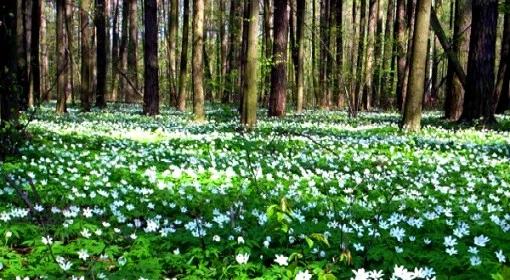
255,139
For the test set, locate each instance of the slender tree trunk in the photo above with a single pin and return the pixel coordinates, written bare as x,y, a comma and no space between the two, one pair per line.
173,24
436,63
151,78
339,54
115,51
323,53
249,113
277,98
27,21
244,49
378,55
481,61
61,58
401,55
45,92
123,53
69,50
198,60
9,86
300,73
387,78
132,66
501,92
330,55
411,15
235,25
359,65
86,90
268,48
315,88
414,100
36,68
370,55
353,60
454,90
181,106
21,53
101,53
223,49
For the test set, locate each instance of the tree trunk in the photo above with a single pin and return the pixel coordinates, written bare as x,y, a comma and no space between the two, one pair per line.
235,26
115,51
481,60
501,93
123,53
268,49
45,91
86,90
34,51
181,106
413,102
151,78
101,53
300,35
315,88
387,77
249,113
69,50
132,66
277,98
27,43
359,65
401,52
173,24
198,60
223,48
370,55
323,53
21,54
454,90
8,48
61,58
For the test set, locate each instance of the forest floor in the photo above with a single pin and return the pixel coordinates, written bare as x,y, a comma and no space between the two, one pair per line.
116,195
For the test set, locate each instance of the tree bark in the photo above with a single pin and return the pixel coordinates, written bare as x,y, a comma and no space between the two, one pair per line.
61,58
387,77
173,24
34,51
401,55
45,93
115,51
123,53
86,87
460,49
235,26
359,65
414,100
300,35
277,98
370,55
198,60
501,93
8,48
181,106
481,60
151,78
249,113
132,66
21,54
101,53
69,50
